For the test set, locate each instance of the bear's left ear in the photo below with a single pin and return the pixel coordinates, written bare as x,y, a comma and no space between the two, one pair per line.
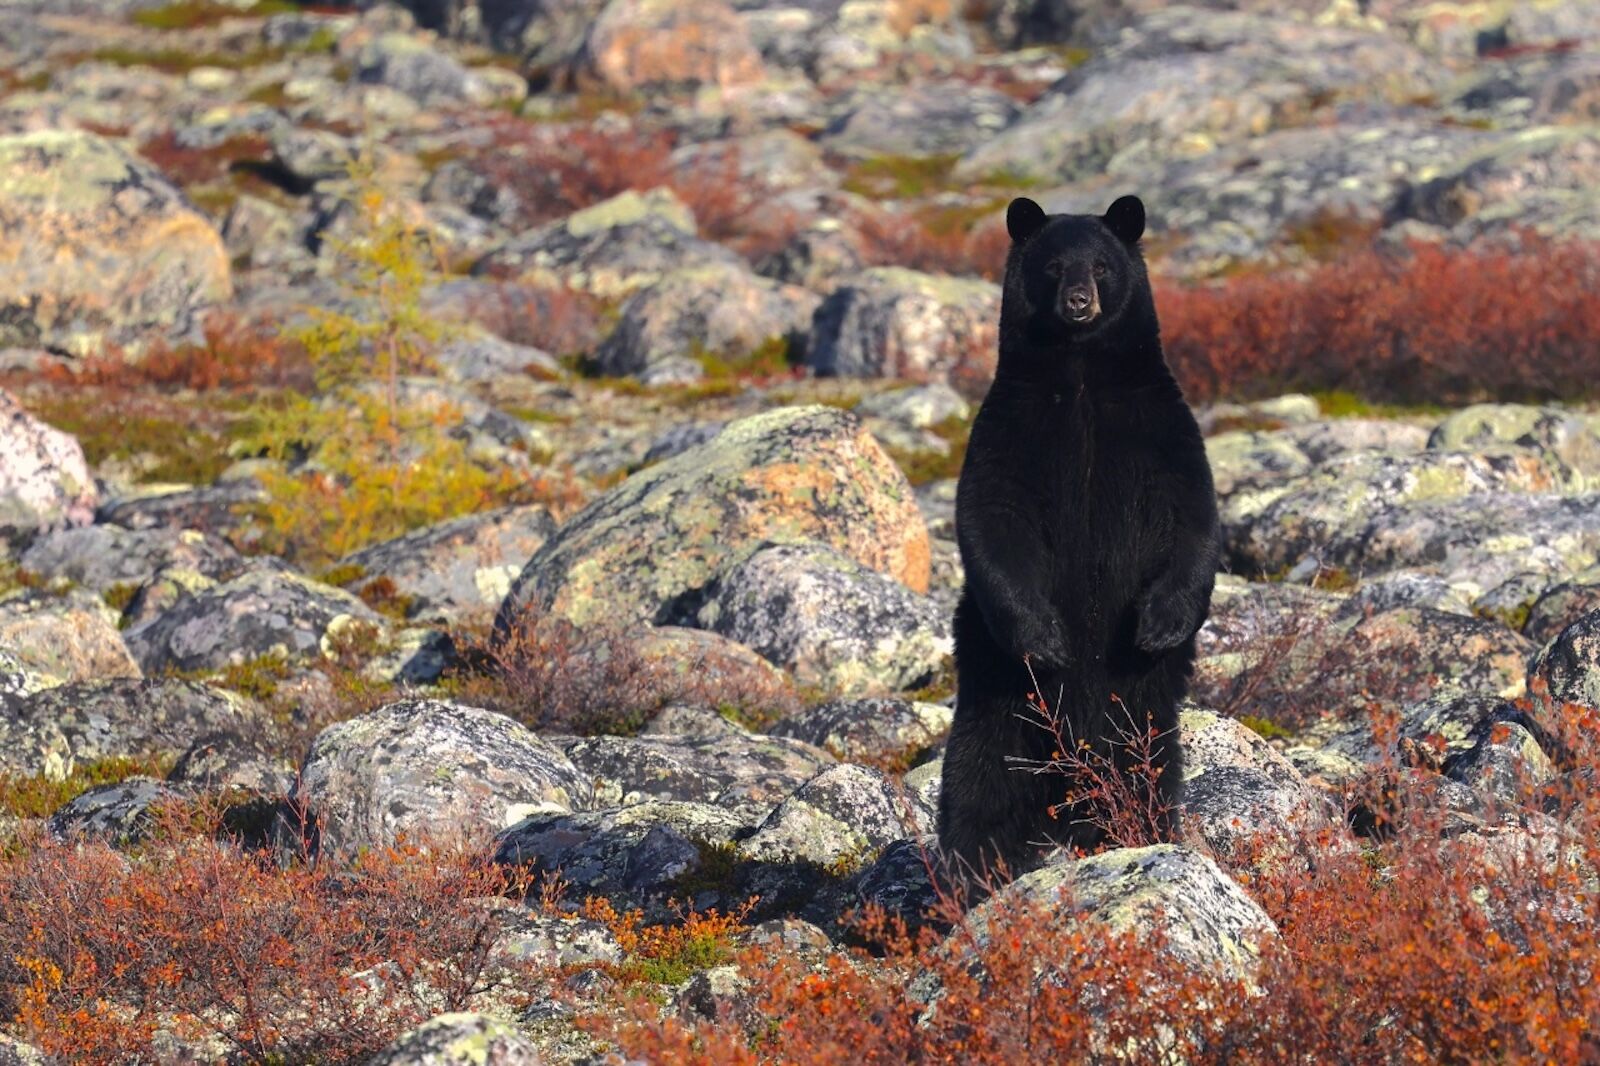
1024,218
1125,219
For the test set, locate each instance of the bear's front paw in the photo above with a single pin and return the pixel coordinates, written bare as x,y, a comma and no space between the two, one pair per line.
1043,644
1165,621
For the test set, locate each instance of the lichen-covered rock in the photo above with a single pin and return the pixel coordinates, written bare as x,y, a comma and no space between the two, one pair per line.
651,547
1182,81
641,853
1245,460
1207,920
869,730
428,768
921,120
460,1040
832,622
1212,742
1246,814
529,937
1569,666
919,406
1539,178
1573,438
817,257
405,62
636,44
716,310
104,556
713,671
64,636
1559,607
487,358
1442,722
257,615
901,881
740,772
1505,764
44,479
610,249
891,322
99,248
1372,511
1408,587
455,568
842,815
119,814
56,730
210,508
1325,440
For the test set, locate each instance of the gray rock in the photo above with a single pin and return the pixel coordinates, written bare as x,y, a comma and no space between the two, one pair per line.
210,508
64,636
1212,742
1569,666
227,761
921,120
1561,606
1539,178
1570,438
740,772
56,730
1444,723
1323,441
1408,587
833,622
871,730
460,1040
487,358
610,249
120,814
99,248
642,44
44,479
901,881
840,817
651,547
257,615
101,557
716,310
428,768
920,406
549,941
455,568
314,156
640,854
817,257
1205,918
404,62
1245,814
1505,764
897,323
1184,80
1243,460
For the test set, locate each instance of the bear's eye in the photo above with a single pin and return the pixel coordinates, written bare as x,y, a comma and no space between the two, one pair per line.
1099,270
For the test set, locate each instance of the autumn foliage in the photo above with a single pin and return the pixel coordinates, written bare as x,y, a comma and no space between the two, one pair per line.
1425,323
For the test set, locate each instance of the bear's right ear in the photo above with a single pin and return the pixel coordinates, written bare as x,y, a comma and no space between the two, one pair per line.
1024,218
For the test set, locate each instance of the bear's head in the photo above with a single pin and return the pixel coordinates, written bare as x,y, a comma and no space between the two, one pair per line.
1070,277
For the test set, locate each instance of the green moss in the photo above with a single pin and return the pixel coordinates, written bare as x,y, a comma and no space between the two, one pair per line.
257,678
182,61
191,14
900,177
1265,728
39,796
343,574
717,871
180,449
770,358
118,596
1514,617
922,467
1339,403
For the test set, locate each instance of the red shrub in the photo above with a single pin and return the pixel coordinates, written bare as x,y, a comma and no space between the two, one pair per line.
99,951
1425,324
235,355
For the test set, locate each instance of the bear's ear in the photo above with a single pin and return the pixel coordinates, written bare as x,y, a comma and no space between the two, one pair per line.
1125,219
1024,218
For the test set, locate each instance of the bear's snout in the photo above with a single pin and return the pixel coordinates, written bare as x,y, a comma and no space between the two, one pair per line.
1080,303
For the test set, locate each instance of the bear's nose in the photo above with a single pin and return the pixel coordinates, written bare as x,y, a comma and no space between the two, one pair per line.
1077,299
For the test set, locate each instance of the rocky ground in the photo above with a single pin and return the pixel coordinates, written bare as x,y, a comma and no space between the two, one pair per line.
629,556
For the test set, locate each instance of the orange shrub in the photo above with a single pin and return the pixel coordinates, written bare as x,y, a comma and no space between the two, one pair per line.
234,355
1425,324
99,951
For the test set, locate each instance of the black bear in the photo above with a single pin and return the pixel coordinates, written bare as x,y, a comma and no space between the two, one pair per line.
1087,524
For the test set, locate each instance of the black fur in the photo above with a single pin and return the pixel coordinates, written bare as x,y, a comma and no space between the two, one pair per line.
1088,529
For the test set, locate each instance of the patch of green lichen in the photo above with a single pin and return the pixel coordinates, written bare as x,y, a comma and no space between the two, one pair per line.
1339,403
167,446
1265,728
769,359
192,14
257,678
901,177
1514,616
39,796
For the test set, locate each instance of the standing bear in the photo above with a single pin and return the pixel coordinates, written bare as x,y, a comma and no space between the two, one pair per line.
1087,524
